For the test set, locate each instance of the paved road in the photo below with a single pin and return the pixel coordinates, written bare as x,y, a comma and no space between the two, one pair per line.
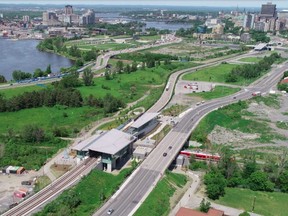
137,187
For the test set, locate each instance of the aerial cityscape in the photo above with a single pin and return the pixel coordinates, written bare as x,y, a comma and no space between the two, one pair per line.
143,108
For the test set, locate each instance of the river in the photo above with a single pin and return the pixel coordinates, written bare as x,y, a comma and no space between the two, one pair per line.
23,55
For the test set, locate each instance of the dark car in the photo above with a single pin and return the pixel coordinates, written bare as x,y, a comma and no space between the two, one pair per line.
164,154
170,147
110,211
26,182
234,97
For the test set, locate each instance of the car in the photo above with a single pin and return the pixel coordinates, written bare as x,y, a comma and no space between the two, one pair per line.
26,182
202,102
164,154
110,211
197,104
170,147
234,97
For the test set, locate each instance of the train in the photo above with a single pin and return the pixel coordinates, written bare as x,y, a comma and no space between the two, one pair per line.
201,155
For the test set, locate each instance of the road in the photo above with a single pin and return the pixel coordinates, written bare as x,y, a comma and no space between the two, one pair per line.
56,187
137,187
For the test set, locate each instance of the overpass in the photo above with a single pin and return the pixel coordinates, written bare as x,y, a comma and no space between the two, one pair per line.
138,186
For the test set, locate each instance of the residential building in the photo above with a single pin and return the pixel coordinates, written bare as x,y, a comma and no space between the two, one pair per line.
88,18
68,10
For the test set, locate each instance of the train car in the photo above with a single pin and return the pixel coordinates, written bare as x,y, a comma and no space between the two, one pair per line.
201,155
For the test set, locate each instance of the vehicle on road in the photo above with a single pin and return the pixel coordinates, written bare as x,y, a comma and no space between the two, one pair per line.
164,154
234,97
170,147
167,86
202,102
257,93
197,104
26,182
110,211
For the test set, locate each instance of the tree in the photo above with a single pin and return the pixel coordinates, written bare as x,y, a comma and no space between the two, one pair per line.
88,77
250,167
2,79
205,206
38,73
134,66
119,66
48,69
215,184
259,181
33,133
283,181
127,69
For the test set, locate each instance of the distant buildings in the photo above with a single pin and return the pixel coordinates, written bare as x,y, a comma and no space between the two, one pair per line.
50,18
26,19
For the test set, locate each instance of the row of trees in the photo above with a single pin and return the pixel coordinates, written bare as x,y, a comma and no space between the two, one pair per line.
249,71
228,173
19,75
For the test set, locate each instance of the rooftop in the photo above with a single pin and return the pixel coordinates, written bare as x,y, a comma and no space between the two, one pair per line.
111,142
83,146
146,117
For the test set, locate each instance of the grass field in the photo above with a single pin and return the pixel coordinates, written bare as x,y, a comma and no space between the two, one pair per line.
157,203
219,91
49,117
250,59
266,203
92,191
19,90
217,74
107,46
211,74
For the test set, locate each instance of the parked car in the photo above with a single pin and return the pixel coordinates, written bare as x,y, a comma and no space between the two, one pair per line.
26,182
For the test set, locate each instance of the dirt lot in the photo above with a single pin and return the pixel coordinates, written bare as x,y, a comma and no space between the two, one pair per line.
9,184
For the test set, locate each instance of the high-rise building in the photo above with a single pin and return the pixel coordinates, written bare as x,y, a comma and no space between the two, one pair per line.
68,9
249,20
26,18
50,18
88,18
268,10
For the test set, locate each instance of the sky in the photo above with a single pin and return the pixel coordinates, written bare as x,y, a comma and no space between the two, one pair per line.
210,3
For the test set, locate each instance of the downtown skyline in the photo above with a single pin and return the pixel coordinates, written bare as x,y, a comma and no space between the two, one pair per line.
208,3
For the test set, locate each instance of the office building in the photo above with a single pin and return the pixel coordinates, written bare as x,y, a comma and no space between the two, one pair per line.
68,10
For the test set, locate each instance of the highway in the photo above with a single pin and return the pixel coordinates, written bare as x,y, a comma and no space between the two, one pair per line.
56,187
140,184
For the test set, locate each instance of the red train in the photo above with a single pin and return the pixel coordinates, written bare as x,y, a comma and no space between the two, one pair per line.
201,155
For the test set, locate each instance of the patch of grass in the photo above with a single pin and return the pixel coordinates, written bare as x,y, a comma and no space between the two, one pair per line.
211,74
157,203
107,46
49,117
219,91
266,203
20,90
250,59
41,182
282,125
92,191
154,95
174,110
270,100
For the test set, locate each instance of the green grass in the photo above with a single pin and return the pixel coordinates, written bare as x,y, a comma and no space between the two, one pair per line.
89,192
219,91
150,38
49,117
282,125
251,59
19,90
107,46
157,203
211,74
174,110
269,100
266,203
42,181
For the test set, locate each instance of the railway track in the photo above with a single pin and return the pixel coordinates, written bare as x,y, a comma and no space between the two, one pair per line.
56,187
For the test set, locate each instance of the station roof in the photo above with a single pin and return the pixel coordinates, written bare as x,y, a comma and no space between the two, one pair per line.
84,145
260,46
146,117
111,142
